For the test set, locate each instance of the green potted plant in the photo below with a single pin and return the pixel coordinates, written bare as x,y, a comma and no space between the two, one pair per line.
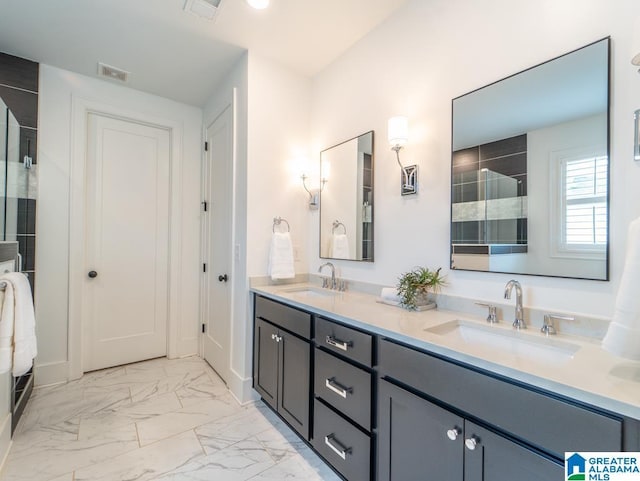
414,288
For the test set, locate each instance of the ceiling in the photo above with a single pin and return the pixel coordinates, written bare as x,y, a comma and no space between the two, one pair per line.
176,54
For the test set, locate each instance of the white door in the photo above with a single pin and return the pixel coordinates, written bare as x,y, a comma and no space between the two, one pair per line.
124,302
217,279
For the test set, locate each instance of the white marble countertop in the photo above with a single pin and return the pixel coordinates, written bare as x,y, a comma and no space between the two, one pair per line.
591,375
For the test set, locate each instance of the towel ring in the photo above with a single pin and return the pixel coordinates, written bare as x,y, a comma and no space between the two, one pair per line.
279,221
337,224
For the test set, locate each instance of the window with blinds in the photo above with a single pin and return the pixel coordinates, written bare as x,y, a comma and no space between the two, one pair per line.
584,216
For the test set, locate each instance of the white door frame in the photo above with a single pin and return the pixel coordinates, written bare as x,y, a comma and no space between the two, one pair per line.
80,110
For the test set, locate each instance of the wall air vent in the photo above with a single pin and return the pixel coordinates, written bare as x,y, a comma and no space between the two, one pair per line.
206,9
112,73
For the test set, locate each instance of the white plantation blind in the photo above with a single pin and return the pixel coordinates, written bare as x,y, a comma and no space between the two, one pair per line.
585,203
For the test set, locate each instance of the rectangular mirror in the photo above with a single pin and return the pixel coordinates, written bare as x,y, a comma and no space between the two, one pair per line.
530,170
346,200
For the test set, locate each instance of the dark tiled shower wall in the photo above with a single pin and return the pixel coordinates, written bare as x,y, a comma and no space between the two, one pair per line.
19,90
507,157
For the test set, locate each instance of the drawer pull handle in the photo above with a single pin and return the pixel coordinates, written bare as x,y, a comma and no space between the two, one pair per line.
344,345
336,446
341,391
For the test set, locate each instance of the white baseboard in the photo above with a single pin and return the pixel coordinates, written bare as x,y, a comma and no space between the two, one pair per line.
5,440
242,388
51,373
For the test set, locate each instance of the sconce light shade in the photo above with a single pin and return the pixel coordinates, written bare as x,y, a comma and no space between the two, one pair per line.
258,4
398,131
325,168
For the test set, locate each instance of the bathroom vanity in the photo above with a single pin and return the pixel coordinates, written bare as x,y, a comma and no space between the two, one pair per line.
381,393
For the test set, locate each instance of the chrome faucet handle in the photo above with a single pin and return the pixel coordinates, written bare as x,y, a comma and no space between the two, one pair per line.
492,317
548,328
519,324
325,282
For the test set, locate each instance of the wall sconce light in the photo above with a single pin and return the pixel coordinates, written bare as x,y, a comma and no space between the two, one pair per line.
314,194
398,132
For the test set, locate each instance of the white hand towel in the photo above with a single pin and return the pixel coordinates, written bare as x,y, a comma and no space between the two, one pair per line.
340,246
281,256
389,295
623,336
17,324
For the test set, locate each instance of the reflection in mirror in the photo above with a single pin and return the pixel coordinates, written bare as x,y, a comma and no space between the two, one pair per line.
530,170
9,158
346,201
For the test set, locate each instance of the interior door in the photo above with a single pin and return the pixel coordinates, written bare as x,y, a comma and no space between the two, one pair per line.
125,307
218,227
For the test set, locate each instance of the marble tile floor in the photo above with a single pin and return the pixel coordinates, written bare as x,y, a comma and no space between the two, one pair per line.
154,420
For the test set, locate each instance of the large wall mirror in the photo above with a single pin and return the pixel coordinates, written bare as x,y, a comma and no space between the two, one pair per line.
530,170
346,200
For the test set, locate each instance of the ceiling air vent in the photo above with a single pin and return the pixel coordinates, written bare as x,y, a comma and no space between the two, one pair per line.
112,73
202,8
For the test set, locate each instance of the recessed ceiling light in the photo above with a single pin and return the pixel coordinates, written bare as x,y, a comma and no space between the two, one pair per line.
258,4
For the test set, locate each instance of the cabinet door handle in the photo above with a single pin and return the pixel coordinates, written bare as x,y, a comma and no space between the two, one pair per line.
336,446
344,345
341,391
471,443
454,433
274,337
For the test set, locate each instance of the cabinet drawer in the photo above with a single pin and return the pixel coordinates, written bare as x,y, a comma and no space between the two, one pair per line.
346,387
552,425
344,446
289,318
344,340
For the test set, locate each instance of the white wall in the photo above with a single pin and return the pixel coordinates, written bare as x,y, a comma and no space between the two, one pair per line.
58,88
279,120
414,64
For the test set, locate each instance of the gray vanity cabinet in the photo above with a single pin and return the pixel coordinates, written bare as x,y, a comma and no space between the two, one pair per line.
282,361
412,438
420,440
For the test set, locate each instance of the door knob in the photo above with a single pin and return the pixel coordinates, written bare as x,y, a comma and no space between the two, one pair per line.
471,443
454,433
223,278
92,274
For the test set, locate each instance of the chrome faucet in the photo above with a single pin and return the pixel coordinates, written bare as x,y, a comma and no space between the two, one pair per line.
325,281
518,323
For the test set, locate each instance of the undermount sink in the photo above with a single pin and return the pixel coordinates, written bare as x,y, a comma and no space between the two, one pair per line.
311,292
518,343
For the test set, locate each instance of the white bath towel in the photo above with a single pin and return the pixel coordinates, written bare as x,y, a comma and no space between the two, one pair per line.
340,246
18,346
281,256
623,336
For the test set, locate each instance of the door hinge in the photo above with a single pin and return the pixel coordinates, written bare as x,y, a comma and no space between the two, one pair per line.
206,146
204,267
203,328
205,205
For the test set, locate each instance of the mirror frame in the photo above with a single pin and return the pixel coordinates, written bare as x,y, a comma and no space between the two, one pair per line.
607,257
372,257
